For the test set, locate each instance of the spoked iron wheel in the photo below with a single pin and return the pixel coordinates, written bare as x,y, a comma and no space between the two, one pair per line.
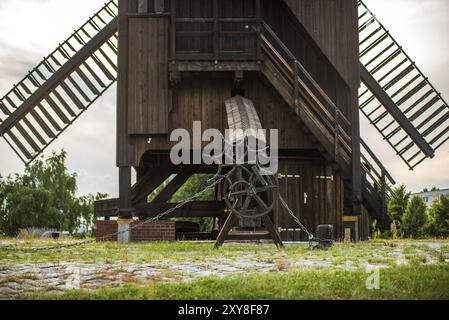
248,194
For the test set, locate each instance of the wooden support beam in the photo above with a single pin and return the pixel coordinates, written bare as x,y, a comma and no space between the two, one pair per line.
249,237
124,205
150,181
174,185
196,209
173,30
272,231
230,222
206,66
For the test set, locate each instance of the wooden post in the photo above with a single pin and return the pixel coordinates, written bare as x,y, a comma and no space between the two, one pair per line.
394,231
258,30
125,189
173,31
357,197
352,223
216,30
337,132
124,230
347,235
384,197
296,83
125,210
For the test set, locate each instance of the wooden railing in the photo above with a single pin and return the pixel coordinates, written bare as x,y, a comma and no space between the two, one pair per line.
377,180
309,98
308,95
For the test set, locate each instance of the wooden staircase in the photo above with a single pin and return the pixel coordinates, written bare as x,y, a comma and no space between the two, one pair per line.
324,120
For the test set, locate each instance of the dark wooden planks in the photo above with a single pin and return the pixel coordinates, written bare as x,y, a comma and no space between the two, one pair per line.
314,192
148,76
333,24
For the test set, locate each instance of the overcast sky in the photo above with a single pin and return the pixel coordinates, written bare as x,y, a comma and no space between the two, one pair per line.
30,29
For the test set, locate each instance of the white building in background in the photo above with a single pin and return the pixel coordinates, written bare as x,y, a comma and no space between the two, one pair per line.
430,197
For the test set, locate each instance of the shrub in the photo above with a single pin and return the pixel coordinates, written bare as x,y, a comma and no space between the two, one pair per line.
414,218
398,204
438,219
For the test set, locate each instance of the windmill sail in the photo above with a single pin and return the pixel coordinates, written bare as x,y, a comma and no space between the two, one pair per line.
64,85
396,97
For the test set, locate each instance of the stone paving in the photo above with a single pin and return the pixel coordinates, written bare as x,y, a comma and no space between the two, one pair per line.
18,279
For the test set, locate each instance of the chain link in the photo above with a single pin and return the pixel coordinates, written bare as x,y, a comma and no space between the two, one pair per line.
216,180
295,218
116,234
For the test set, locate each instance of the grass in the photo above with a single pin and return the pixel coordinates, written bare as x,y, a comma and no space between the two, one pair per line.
418,282
109,253
410,270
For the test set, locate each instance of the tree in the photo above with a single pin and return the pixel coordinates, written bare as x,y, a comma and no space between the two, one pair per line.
193,186
414,219
44,196
438,222
398,204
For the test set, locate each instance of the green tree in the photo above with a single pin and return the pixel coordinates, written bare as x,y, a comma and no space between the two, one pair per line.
398,204
44,196
194,185
438,222
414,219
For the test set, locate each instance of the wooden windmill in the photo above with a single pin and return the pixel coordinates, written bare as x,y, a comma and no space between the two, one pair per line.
307,67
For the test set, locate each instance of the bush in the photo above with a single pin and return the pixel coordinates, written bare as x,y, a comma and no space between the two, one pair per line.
44,196
398,203
414,219
438,220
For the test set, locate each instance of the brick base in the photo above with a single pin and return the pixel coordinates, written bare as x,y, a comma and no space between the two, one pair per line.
152,231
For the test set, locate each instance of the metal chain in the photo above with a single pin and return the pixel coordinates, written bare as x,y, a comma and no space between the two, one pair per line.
149,220
216,180
295,218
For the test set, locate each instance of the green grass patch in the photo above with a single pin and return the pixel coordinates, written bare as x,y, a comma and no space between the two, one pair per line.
418,282
176,252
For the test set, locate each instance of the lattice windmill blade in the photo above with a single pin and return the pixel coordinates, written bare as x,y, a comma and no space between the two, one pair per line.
396,97
64,85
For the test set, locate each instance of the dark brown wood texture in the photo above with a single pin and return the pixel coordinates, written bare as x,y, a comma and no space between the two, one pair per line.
148,76
314,192
216,29
323,36
312,56
333,25
202,99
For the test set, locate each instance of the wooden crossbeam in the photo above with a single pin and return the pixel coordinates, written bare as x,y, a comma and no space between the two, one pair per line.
197,209
174,185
